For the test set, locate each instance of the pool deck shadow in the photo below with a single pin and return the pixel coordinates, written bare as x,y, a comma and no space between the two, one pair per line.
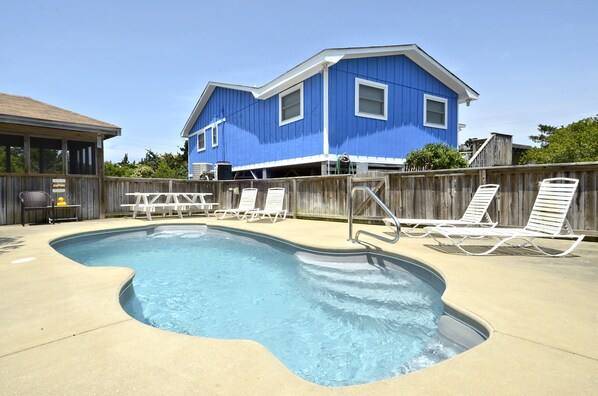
63,330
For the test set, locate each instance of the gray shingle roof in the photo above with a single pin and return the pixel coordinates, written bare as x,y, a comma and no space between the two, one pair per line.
25,110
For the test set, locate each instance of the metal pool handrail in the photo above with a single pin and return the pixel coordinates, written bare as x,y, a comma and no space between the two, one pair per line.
383,206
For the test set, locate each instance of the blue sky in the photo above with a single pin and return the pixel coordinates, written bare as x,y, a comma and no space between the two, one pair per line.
142,65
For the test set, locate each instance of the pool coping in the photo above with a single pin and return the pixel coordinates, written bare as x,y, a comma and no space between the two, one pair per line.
540,314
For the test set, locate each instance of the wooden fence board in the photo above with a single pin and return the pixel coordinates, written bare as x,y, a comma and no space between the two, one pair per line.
423,194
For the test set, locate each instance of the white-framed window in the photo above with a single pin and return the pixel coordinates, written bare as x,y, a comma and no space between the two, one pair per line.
435,111
371,99
208,132
214,135
201,140
290,105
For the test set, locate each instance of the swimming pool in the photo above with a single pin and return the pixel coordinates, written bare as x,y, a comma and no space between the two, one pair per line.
331,318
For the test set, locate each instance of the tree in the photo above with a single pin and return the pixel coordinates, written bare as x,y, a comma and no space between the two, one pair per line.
119,169
576,142
168,166
545,132
125,160
143,171
435,156
151,159
469,143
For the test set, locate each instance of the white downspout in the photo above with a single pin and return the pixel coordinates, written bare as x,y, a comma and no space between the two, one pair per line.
326,145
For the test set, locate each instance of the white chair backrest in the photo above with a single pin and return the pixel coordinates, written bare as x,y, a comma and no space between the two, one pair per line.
551,206
274,199
479,203
247,201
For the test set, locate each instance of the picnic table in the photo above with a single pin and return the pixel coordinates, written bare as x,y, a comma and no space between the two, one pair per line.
168,202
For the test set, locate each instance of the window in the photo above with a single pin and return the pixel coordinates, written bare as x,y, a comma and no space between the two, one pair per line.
81,158
214,135
12,158
46,155
434,111
371,99
290,105
201,140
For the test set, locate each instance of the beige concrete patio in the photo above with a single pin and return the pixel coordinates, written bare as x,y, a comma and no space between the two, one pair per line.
63,331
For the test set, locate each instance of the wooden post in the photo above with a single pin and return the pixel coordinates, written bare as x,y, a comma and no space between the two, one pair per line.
482,177
27,153
295,200
65,164
387,191
349,200
100,171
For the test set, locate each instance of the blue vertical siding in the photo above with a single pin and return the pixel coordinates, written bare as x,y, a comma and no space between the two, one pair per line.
251,134
403,131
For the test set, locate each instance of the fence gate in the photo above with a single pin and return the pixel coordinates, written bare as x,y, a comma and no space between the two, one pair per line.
364,203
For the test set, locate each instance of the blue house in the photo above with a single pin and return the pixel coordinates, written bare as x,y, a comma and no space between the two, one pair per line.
375,104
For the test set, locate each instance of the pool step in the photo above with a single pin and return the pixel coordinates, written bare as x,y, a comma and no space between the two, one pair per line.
362,291
372,278
412,317
337,263
369,291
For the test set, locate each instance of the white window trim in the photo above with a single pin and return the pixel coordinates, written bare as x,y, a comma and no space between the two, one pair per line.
202,132
215,134
361,81
285,93
436,99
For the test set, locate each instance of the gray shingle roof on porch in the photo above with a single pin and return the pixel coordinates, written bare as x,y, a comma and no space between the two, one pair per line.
27,111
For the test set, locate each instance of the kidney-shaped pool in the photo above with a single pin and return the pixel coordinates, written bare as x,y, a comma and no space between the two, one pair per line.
331,318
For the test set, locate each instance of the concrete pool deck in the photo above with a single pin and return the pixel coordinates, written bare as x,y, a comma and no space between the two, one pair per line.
63,330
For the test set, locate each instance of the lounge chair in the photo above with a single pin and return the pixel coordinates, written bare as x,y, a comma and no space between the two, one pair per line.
475,214
35,201
273,207
246,203
547,220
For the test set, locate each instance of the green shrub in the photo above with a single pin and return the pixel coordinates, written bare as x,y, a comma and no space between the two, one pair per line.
435,156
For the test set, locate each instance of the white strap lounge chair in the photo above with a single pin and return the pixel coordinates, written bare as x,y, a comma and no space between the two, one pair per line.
475,215
246,203
273,207
547,220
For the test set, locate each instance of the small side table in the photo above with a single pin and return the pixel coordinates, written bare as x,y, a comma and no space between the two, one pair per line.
64,213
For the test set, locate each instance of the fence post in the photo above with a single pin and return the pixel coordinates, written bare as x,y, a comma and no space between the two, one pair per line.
349,200
387,190
294,198
481,177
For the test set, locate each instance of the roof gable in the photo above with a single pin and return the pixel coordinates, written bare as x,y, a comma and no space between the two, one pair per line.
330,57
27,111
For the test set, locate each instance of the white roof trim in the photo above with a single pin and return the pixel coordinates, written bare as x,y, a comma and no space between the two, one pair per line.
328,57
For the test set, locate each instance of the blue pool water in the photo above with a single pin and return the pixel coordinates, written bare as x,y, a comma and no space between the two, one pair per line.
331,319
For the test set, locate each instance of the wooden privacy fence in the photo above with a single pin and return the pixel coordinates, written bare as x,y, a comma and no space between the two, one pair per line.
84,190
423,194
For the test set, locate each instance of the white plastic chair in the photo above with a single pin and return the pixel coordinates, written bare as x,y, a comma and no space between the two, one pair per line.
547,220
246,203
476,214
273,207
